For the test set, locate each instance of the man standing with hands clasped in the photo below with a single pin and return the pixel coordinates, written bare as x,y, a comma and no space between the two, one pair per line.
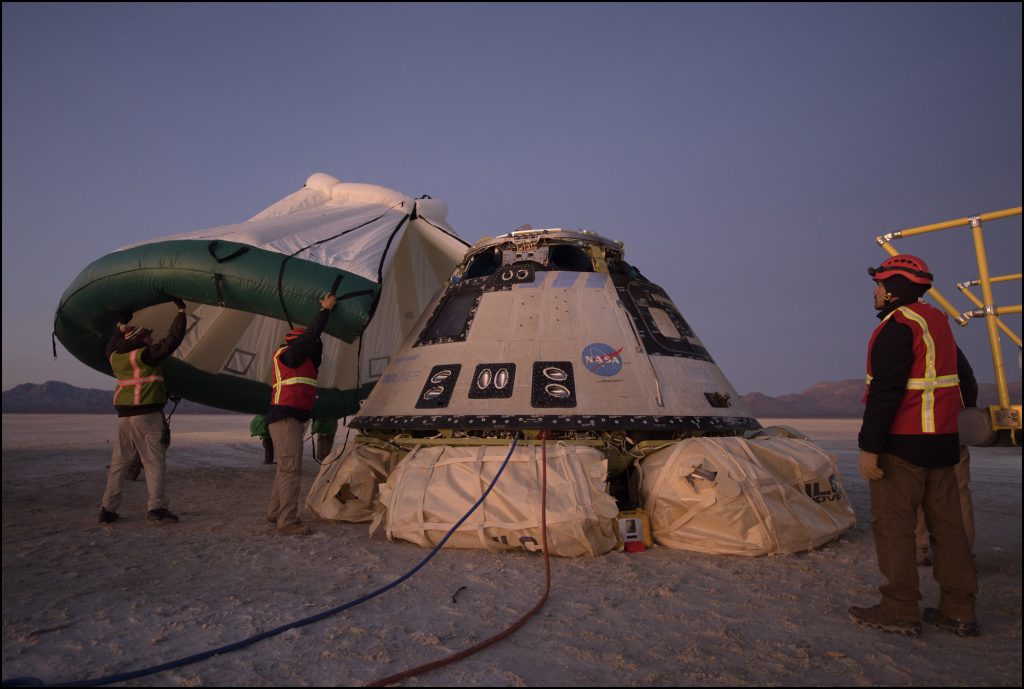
296,364
909,448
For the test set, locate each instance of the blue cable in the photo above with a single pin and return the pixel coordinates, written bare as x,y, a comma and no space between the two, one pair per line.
35,682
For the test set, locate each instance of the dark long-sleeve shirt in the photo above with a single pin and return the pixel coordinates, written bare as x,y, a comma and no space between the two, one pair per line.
892,359
152,355
306,346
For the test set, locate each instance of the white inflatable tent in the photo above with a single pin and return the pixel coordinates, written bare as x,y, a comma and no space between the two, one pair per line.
384,253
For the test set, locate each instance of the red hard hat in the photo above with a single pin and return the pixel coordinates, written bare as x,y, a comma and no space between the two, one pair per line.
910,267
294,333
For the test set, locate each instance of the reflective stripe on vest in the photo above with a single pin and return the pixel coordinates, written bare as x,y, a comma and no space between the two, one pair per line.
285,378
931,382
145,382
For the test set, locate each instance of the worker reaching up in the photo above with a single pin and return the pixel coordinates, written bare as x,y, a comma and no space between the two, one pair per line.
296,364
139,400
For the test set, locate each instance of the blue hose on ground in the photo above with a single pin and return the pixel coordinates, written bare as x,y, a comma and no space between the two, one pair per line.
465,653
111,679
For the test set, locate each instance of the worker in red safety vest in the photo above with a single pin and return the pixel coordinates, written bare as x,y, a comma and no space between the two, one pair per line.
142,432
909,447
295,365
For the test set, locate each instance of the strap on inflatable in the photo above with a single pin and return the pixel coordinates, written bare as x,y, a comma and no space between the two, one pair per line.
217,279
212,248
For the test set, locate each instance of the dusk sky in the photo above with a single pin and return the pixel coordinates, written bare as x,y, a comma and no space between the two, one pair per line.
747,155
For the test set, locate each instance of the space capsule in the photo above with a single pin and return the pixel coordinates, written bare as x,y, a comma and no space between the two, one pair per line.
553,329
550,339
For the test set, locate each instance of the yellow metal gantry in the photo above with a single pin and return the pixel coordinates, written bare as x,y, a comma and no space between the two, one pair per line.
1004,416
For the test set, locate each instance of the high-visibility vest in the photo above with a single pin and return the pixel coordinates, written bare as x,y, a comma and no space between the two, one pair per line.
294,387
932,401
138,383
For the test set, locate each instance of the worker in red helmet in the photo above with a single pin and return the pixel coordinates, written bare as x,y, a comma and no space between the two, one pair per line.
135,360
295,367
915,270
908,267
909,447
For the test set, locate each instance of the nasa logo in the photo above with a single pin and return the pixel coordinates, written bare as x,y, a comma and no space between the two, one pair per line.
602,359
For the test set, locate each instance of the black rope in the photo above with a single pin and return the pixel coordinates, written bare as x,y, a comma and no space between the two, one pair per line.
175,399
438,227
280,274
166,440
212,248
217,279
380,275
352,295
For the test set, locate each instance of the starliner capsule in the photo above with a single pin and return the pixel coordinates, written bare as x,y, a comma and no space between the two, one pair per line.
553,329
551,336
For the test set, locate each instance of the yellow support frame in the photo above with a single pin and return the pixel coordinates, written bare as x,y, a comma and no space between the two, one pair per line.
1004,416
980,311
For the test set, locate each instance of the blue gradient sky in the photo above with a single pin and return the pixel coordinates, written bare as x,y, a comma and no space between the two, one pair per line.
746,154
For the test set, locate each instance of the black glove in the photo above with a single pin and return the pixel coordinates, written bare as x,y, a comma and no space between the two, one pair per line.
178,302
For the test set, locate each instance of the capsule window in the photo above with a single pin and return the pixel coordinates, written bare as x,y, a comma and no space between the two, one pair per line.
664,323
569,257
451,323
482,265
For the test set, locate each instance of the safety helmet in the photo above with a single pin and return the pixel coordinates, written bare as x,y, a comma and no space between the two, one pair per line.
910,267
294,333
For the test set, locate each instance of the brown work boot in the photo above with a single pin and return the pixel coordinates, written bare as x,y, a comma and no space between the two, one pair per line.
107,517
952,625
876,618
295,529
161,516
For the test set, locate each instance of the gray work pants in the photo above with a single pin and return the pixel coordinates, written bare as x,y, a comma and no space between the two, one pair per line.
138,435
284,499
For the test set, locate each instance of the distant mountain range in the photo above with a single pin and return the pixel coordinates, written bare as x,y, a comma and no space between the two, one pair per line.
841,399
54,397
838,399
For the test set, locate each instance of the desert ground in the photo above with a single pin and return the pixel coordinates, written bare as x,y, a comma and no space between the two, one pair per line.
84,602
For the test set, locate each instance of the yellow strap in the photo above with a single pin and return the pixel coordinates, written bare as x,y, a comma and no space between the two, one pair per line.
279,385
923,383
298,380
933,383
927,393
930,382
